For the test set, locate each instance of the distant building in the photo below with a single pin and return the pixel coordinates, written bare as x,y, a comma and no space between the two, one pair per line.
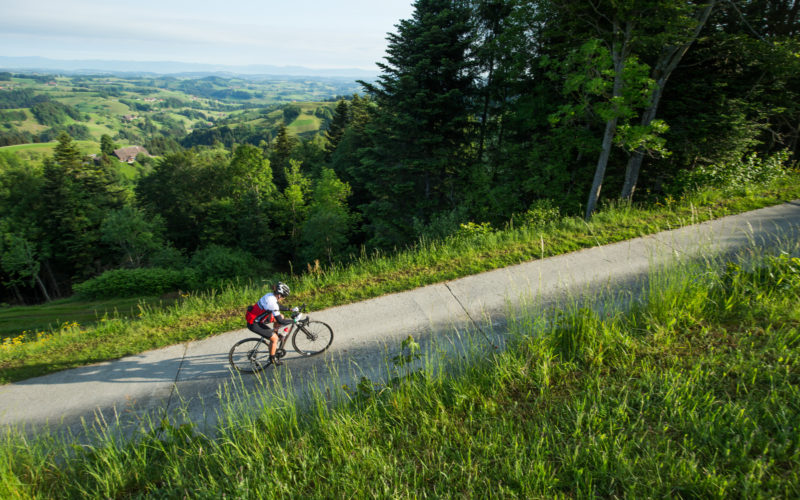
128,154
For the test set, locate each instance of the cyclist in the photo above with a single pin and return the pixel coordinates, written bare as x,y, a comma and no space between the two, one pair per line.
267,310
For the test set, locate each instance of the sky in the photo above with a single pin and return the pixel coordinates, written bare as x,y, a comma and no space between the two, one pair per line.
309,33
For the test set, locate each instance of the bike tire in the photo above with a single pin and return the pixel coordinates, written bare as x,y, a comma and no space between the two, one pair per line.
249,355
312,338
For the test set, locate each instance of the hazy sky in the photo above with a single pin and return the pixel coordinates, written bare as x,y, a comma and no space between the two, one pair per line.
311,33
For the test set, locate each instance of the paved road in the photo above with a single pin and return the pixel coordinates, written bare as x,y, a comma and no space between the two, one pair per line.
190,377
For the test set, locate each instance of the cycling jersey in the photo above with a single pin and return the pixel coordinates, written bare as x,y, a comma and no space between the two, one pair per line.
269,302
266,310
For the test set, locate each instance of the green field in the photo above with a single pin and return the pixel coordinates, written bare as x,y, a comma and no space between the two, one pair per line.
42,150
19,320
130,109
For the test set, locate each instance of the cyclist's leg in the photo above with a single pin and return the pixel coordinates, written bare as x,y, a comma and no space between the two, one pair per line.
266,332
269,334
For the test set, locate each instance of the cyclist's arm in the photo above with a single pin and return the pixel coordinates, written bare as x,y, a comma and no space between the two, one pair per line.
281,320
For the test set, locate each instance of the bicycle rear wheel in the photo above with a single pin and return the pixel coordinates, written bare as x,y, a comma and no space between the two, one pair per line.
249,355
312,338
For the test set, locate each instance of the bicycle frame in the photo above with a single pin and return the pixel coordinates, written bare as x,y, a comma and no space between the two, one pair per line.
250,349
290,330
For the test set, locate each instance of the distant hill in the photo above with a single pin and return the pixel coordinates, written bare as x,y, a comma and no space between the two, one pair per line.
92,66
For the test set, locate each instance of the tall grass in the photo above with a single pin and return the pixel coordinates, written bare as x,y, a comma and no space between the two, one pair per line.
694,391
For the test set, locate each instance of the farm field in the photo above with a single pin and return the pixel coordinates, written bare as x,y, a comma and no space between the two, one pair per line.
34,109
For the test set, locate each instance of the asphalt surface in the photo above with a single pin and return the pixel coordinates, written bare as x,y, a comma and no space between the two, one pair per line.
192,380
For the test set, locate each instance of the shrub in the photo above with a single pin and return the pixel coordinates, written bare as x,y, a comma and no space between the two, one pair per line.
750,171
540,213
134,282
440,225
216,263
290,113
167,257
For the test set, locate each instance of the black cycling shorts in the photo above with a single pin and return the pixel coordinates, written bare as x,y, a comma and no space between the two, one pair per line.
263,330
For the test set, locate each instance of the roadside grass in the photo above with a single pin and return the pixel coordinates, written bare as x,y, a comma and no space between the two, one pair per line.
694,391
205,314
54,315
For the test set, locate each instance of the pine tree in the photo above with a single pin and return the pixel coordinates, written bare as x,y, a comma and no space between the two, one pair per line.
77,195
280,155
336,128
422,132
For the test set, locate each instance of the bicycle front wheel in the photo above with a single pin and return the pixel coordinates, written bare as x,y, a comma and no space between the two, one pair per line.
312,338
249,355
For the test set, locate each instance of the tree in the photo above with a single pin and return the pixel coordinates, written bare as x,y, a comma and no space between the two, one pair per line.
421,157
23,214
326,229
280,155
20,260
107,145
495,31
292,209
249,170
178,189
133,233
741,81
630,29
337,127
683,22
604,86
76,196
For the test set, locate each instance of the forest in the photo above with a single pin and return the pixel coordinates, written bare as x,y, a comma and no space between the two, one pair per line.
485,111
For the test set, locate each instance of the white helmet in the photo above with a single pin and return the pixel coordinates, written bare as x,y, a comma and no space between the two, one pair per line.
282,289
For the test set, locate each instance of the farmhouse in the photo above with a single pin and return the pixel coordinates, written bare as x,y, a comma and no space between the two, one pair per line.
128,154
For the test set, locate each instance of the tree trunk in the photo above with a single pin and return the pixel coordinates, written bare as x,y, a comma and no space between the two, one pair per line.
485,113
619,53
600,171
20,298
635,161
666,64
52,277
42,288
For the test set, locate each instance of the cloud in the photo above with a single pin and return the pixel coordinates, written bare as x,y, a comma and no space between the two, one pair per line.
325,34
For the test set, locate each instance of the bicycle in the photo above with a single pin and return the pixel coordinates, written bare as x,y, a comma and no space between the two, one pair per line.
309,338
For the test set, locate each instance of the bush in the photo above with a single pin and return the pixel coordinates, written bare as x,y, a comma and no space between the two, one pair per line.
540,213
748,172
441,225
134,282
215,264
167,257
290,113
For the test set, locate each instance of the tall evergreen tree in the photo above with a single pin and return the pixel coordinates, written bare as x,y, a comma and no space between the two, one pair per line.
423,132
336,128
279,156
76,196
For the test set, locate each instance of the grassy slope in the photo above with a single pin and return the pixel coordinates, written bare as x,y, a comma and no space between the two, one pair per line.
692,394
200,316
47,317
